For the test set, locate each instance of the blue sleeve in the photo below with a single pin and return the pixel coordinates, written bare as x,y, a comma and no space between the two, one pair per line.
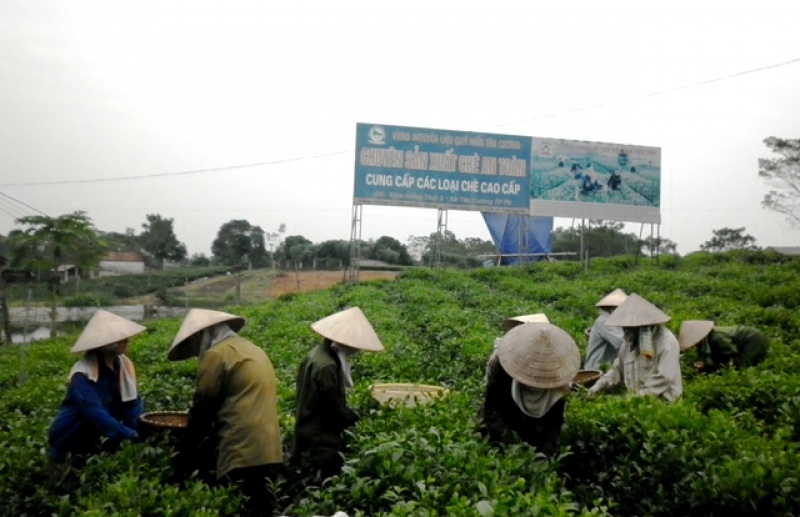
131,411
92,408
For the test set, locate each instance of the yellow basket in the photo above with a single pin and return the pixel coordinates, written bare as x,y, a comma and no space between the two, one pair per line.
406,394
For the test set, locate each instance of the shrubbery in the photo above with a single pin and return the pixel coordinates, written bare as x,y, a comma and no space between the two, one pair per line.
729,446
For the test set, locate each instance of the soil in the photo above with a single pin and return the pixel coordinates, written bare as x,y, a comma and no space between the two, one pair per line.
304,281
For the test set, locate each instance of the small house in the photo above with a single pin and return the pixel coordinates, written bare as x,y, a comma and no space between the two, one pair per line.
122,263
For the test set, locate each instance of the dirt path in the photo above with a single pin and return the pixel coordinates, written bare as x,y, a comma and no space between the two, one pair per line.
303,281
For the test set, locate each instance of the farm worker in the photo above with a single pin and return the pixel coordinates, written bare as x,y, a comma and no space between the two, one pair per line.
102,398
528,380
716,346
321,413
235,404
604,341
510,323
649,359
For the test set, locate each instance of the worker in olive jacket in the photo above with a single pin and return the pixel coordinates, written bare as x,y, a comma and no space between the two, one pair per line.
322,413
235,403
716,346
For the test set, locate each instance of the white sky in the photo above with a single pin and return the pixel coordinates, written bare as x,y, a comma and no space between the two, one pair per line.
108,90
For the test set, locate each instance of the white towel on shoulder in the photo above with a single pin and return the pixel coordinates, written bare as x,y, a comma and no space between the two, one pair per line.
127,374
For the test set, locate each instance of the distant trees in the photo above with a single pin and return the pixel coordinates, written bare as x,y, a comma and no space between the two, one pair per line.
726,239
239,243
296,249
783,173
158,239
334,252
51,242
454,252
388,249
199,260
600,238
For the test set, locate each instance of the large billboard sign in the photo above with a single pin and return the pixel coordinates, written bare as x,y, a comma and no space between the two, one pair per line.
435,168
595,180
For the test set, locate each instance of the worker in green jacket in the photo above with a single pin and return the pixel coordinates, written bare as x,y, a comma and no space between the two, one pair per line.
717,346
234,405
322,413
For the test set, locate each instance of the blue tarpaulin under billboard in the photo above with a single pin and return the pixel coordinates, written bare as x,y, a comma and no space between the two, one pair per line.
515,234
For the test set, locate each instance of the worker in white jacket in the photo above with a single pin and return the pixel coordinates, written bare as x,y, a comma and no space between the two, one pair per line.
649,359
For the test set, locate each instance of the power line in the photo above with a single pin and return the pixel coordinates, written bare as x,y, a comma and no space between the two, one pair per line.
656,93
166,174
15,208
312,157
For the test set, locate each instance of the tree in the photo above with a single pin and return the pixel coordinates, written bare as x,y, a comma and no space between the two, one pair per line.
4,312
476,246
158,239
297,249
259,257
335,250
660,246
390,250
199,259
783,173
233,243
50,242
600,238
127,241
726,239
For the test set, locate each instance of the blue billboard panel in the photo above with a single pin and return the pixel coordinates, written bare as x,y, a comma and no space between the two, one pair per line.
595,180
436,168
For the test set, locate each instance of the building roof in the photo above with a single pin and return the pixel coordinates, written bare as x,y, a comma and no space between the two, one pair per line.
793,251
123,256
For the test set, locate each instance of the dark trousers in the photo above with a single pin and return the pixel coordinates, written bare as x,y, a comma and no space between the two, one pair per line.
256,483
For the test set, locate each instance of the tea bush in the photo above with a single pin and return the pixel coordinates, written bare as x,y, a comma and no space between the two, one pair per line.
729,446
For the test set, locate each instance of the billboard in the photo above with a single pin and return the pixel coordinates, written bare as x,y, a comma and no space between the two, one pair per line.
595,180
437,168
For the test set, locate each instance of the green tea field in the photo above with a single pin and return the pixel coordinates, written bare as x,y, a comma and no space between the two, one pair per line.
728,447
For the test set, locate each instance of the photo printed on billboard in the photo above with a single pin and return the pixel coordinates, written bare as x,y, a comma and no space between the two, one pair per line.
446,169
595,180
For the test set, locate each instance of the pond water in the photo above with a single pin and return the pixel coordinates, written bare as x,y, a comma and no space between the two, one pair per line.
33,323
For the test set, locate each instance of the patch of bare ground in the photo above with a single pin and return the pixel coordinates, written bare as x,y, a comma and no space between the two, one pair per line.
303,281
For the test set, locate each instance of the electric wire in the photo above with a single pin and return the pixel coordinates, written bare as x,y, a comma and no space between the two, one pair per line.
312,157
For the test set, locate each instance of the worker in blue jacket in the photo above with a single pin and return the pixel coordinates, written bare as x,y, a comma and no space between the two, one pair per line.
102,398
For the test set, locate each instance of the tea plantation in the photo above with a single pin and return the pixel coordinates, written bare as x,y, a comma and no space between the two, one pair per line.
728,447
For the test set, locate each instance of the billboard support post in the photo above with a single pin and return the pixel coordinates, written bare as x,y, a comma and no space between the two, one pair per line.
441,239
355,244
583,245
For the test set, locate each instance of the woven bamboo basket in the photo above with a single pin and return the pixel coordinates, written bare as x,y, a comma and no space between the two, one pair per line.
405,394
587,377
172,423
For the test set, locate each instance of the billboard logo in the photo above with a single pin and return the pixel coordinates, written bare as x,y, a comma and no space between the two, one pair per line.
545,150
377,135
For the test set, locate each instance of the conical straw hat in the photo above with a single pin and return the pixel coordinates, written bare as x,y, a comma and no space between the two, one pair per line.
692,331
510,323
105,328
349,327
635,311
195,321
539,355
612,299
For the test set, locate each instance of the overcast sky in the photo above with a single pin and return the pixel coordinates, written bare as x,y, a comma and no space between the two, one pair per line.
111,107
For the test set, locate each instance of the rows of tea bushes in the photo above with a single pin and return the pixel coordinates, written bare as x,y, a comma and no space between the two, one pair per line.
728,447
